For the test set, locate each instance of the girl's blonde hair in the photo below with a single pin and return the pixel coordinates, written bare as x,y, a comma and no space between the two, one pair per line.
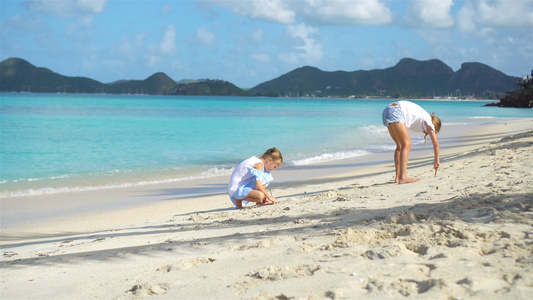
436,121
274,154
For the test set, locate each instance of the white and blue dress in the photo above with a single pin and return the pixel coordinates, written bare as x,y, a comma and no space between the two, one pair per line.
243,179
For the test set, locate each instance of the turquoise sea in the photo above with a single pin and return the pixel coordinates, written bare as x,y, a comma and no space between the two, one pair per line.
53,143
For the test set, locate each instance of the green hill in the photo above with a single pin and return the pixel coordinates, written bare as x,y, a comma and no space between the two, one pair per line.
483,78
18,75
157,84
408,78
208,88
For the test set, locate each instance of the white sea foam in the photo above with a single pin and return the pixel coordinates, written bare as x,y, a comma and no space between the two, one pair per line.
454,124
373,129
62,176
214,171
327,157
211,172
383,148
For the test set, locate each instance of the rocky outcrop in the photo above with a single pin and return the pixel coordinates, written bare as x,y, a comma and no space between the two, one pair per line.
521,98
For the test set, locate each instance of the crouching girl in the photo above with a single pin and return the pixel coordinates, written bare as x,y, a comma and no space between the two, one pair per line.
251,177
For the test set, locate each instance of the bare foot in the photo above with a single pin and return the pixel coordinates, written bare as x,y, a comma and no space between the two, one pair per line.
408,180
238,204
268,202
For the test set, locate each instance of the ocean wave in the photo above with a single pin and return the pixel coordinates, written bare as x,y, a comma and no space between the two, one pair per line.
62,176
375,128
327,157
454,124
383,148
214,171
210,172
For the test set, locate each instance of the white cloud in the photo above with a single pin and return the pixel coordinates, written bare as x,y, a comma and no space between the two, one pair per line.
489,20
348,12
270,10
66,8
91,6
430,13
466,18
168,43
467,23
310,52
301,31
338,12
500,13
275,11
204,37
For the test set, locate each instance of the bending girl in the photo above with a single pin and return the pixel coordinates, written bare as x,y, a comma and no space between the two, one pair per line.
401,116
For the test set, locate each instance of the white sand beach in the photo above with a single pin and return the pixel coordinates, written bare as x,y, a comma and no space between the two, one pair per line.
464,233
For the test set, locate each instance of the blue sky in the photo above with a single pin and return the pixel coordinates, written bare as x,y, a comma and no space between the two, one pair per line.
250,42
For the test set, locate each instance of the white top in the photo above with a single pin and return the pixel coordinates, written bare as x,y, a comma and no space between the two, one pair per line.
242,174
415,116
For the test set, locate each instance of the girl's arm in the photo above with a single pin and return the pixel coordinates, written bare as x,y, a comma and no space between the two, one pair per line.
436,149
260,187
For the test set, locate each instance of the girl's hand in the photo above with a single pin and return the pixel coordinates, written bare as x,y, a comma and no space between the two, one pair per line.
436,165
272,199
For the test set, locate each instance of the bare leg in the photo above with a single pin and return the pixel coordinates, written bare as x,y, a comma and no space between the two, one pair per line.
396,155
254,196
400,135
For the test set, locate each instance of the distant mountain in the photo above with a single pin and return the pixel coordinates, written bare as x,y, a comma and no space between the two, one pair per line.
208,88
479,77
408,78
157,84
18,75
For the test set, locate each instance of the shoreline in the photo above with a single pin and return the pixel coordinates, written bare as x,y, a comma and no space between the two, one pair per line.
463,234
93,209
250,96
26,180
